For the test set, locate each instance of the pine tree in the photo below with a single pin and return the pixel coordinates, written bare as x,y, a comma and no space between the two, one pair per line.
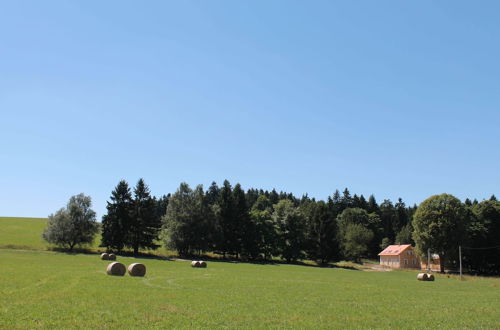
244,230
145,225
321,243
372,205
226,240
116,223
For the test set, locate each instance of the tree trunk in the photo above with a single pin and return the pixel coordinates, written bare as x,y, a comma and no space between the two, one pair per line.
441,263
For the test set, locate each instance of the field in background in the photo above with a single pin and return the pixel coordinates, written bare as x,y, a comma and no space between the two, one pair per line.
24,233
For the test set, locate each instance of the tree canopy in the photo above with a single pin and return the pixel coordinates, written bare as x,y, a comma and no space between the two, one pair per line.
73,225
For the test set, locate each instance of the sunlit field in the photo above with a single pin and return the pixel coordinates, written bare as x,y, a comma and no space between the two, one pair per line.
47,289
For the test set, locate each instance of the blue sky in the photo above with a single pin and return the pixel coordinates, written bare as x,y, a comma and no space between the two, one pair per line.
392,98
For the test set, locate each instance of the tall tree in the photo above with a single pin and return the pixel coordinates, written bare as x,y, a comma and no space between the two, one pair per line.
290,224
145,224
388,218
226,239
372,205
184,224
354,233
321,243
439,225
73,225
245,230
483,252
266,235
116,222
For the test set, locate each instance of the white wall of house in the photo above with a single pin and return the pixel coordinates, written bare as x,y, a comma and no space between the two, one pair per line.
390,261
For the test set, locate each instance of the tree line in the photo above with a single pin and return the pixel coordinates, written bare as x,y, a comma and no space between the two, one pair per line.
264,225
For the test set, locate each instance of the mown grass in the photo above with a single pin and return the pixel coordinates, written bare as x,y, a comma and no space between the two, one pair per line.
47,289
44,289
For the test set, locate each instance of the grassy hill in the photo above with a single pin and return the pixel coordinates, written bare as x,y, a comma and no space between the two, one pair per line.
46,289
22,233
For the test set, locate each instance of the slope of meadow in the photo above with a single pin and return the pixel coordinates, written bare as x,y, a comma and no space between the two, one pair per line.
23,233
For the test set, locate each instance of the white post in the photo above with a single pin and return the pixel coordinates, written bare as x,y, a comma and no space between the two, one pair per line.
428,260
460,258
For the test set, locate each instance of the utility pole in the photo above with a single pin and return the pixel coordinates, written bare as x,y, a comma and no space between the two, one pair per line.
428,260
460,258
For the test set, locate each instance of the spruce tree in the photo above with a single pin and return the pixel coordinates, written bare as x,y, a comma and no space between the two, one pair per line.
116,223
225,237
321,243
145,224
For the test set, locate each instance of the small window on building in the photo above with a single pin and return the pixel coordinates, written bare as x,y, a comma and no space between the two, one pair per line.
406,261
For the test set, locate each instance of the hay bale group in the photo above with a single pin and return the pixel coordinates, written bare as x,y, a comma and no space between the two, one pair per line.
118,269
108,256
199,264
425,277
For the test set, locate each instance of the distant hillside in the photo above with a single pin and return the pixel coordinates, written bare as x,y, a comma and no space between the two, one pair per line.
22,233
25,233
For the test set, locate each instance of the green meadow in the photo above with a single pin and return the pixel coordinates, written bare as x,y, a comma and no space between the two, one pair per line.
24,233
47,289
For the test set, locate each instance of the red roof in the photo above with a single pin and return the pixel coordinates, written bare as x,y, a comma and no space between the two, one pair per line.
394,250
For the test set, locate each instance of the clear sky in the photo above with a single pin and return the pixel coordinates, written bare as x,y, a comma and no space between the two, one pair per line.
392,98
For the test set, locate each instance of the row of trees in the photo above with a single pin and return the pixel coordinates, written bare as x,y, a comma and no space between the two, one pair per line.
261,225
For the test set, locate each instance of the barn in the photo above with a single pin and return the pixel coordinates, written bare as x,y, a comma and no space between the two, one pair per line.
399,256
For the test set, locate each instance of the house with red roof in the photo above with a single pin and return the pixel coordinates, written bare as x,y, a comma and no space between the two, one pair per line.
399,256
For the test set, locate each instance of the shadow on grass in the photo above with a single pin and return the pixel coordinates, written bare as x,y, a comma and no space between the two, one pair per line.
143,255
265,262
211,258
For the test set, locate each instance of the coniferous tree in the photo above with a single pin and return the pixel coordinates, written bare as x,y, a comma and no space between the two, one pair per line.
226,240
387,216
274,197
321,243
245,231
372,205
161,205
145,224
347,200
116,222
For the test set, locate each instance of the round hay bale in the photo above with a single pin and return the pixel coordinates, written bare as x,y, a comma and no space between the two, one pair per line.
111,256
422,277
430,277
203,264
137,269
116,268
195,264
104,256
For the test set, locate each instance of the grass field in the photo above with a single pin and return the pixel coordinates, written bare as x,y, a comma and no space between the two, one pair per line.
46,289
22,233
